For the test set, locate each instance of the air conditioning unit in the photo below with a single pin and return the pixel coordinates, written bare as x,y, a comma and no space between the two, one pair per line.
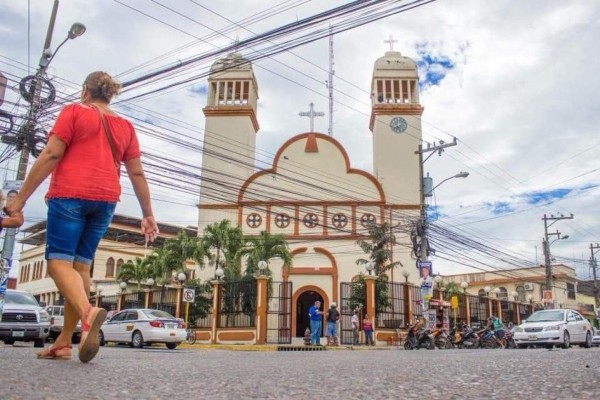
528,286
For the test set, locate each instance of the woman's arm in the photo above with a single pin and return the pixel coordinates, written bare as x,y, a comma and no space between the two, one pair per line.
43,166
142,192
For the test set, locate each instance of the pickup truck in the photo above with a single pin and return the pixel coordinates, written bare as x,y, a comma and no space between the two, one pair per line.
23,320
57,321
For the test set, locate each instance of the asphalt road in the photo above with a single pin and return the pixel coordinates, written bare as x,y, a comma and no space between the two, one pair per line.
158,373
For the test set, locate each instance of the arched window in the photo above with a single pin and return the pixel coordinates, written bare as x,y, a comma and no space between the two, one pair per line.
119,265
503,295
110,267
481,295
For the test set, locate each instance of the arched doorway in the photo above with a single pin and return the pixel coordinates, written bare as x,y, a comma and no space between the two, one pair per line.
303,303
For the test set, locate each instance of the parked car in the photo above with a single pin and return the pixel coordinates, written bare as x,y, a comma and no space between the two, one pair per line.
560,327
140,327
57,321
23,320
596,338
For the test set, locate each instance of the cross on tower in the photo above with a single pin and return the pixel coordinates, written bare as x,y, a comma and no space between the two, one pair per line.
391,41
311,114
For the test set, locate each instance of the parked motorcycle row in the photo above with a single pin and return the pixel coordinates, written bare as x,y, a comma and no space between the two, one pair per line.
467,338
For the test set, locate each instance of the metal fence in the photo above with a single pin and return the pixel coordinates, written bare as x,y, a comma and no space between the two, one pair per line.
109,303
393,314
237,304
200,311
134,300
417,303
164,299
479,309
279,314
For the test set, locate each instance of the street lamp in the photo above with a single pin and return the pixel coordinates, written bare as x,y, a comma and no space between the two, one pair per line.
530,298
123,286
438,280
464,285
514,295
99,290
181,277
219,272
370,267
405,274
150,281
77,29
461,174
497,292
487,291
262,265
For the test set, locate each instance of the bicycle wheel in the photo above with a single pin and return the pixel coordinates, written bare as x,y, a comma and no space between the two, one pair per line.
191,336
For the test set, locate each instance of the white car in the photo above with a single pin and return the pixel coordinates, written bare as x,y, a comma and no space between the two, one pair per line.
141,327
561,327
596,338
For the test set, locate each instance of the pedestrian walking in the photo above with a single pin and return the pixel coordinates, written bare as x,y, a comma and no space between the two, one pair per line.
332,317
85,149
316,320
368,328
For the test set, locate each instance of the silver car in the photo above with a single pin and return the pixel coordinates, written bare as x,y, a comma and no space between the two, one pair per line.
560,327
141,326
23,320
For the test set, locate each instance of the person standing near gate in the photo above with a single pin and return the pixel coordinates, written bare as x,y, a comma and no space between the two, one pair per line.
316,319
332,317
355,327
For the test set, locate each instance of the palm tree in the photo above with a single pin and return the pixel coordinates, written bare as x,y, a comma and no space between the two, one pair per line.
163,262
378,248
265,247
138,271
233,252
215,238
186,248
452,289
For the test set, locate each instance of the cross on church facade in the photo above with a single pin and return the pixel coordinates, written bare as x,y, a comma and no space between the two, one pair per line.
391,41
311,114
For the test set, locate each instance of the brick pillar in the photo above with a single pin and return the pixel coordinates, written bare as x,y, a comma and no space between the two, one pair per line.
261,309
468,308
215,308
179,295
499,308
408,305
516,313
147,300
370,306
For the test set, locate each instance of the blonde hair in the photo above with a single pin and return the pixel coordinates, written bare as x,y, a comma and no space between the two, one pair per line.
101,85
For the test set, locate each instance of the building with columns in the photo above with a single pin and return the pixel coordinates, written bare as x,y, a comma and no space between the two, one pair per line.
311,194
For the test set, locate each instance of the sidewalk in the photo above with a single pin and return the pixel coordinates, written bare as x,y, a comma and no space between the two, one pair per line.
278,347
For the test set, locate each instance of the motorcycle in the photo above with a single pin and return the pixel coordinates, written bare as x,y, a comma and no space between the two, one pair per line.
490,341
440,338
418,338
467,338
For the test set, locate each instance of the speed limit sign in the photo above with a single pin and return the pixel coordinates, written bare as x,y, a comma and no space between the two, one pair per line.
189,295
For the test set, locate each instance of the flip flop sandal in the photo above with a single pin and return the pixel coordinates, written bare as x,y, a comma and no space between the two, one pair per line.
51,353
91,322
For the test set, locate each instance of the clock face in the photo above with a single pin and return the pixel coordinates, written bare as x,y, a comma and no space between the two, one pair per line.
398,124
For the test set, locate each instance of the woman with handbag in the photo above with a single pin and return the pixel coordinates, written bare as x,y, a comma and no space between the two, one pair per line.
84,152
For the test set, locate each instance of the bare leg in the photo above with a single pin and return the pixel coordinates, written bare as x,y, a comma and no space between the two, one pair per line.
71,285
72,317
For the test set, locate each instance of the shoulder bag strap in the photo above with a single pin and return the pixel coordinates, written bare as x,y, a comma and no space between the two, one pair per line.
109,137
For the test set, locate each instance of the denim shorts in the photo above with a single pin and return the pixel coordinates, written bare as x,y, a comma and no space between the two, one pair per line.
75,227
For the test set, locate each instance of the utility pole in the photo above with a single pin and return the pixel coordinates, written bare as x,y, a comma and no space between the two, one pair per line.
423,218
330,80
594,266
546,246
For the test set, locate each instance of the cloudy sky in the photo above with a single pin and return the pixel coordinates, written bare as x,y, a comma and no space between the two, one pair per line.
515,82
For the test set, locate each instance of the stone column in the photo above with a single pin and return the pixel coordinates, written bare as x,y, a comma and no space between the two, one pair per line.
179,295
261,309
467,308
408,304
216,285
147,299
120,301
499,308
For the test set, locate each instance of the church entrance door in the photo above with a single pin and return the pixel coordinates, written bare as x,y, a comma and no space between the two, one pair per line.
304,302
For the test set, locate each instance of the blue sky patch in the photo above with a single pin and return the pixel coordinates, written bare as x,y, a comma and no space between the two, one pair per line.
546,196
433,68
500,207
200,89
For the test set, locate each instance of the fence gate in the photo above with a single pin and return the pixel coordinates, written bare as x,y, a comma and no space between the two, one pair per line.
352,297
279,314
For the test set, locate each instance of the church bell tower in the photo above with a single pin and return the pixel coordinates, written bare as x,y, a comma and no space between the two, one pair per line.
396,126
230,132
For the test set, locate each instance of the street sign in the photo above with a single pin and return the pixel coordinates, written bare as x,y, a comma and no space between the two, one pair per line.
189,295
454,302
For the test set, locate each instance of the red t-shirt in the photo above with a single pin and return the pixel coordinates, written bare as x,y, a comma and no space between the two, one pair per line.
87,169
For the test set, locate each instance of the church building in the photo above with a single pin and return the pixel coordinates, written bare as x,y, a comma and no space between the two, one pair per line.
311,194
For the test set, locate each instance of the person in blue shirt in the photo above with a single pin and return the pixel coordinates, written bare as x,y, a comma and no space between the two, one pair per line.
316,319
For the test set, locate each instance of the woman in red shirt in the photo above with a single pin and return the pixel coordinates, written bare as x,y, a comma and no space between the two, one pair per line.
84,151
